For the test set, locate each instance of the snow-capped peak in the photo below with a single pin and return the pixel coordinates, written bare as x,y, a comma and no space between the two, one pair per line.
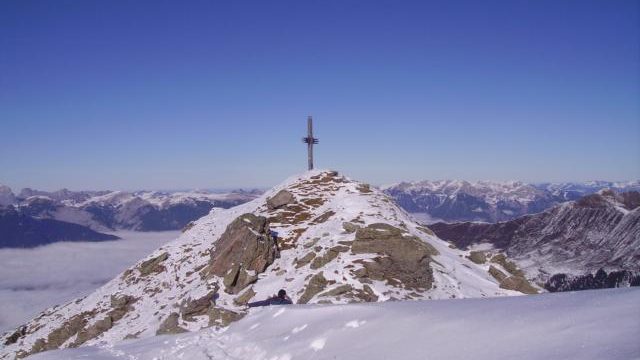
338,241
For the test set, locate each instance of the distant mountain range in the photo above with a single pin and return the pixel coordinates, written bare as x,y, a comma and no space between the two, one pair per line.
485,201
94,212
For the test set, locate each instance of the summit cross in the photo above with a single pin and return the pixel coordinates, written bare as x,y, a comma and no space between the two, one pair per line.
310,141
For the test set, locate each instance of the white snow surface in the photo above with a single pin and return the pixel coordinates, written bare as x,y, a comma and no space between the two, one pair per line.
597,324
160,294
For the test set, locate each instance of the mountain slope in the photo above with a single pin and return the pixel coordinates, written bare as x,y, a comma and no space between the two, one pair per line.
598,231
338,241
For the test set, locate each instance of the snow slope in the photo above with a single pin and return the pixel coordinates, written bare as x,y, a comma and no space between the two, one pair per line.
173,280
599,324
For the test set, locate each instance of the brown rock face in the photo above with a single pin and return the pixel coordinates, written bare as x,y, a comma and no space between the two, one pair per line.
153,265
222,317
518,283
244,250
497,274
478,257
197,307
406,258
170,325
315,286
507,265
328,256
282,198
60,335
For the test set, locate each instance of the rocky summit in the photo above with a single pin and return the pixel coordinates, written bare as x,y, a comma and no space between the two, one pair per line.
324,238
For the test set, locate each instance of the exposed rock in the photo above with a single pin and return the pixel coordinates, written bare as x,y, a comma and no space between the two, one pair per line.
39,346
244,298
350,227
311,243
188,227
245,249
282,198
518,283
120,305
315,286
406,257
153,265
170,325
13,338
231,277
497,274
60,335
305,259
478,257
222,317
93,331
328,256
366,294
507,265
198,307
324,217
340,290
364,188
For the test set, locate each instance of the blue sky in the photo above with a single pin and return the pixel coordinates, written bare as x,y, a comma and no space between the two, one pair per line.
186,94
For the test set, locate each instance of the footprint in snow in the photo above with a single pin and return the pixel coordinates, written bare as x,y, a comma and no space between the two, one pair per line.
318,344
298,329
355,324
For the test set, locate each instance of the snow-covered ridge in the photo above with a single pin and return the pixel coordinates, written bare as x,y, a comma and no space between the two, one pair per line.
330,249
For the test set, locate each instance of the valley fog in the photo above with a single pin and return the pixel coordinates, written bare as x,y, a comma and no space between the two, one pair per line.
32,280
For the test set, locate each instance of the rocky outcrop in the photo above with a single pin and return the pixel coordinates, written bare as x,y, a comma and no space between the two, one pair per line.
153,265
196,307
328,256
282,198
518,283
222,317
404,259
170,325
478,257
315,286
245,249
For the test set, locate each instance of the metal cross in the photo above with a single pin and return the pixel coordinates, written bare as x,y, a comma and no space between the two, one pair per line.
310,141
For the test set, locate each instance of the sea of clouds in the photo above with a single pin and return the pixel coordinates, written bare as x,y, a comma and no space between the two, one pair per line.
32,280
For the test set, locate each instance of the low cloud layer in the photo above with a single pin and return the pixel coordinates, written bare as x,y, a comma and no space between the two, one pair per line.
32,280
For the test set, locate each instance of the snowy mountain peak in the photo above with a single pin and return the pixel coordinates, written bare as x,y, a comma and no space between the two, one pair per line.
6,196
321,236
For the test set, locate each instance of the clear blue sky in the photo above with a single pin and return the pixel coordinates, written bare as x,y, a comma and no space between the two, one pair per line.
184,94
